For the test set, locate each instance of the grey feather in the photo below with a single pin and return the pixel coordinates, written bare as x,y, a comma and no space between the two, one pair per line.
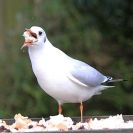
87,74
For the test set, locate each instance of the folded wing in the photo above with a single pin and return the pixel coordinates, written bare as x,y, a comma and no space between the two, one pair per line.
86,75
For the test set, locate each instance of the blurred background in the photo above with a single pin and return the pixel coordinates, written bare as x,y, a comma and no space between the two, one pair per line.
98,32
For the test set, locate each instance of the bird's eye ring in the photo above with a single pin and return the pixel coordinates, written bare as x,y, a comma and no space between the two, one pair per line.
40,33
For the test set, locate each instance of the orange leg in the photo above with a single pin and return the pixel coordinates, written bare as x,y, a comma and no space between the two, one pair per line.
59,109
81,111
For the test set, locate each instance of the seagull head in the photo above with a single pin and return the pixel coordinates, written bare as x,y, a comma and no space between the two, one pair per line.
34,36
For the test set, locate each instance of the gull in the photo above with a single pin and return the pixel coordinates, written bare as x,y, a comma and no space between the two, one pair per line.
65,79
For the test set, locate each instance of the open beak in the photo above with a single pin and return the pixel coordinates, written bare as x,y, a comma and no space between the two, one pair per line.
31,33
29,41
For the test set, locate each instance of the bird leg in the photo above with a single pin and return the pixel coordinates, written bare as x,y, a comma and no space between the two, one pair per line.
81,111
59,109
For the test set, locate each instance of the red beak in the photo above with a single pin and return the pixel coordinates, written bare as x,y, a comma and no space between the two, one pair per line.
29,42
32,33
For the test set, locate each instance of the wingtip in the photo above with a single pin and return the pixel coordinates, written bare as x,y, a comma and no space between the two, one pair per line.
111,81
117,80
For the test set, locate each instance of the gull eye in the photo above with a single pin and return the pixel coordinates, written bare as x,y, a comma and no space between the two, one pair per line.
40,33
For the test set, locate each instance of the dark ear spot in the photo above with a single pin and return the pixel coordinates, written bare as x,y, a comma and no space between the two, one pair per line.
40,33
44,39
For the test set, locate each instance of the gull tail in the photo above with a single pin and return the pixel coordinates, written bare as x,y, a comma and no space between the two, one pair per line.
108,83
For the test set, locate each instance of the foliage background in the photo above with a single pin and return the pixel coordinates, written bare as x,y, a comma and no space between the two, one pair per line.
99,32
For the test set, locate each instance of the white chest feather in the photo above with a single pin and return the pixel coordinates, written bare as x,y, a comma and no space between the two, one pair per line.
51,67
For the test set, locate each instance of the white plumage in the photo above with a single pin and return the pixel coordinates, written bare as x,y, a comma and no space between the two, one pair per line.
62,77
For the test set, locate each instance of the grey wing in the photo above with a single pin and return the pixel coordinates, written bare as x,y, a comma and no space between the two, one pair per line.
86,75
